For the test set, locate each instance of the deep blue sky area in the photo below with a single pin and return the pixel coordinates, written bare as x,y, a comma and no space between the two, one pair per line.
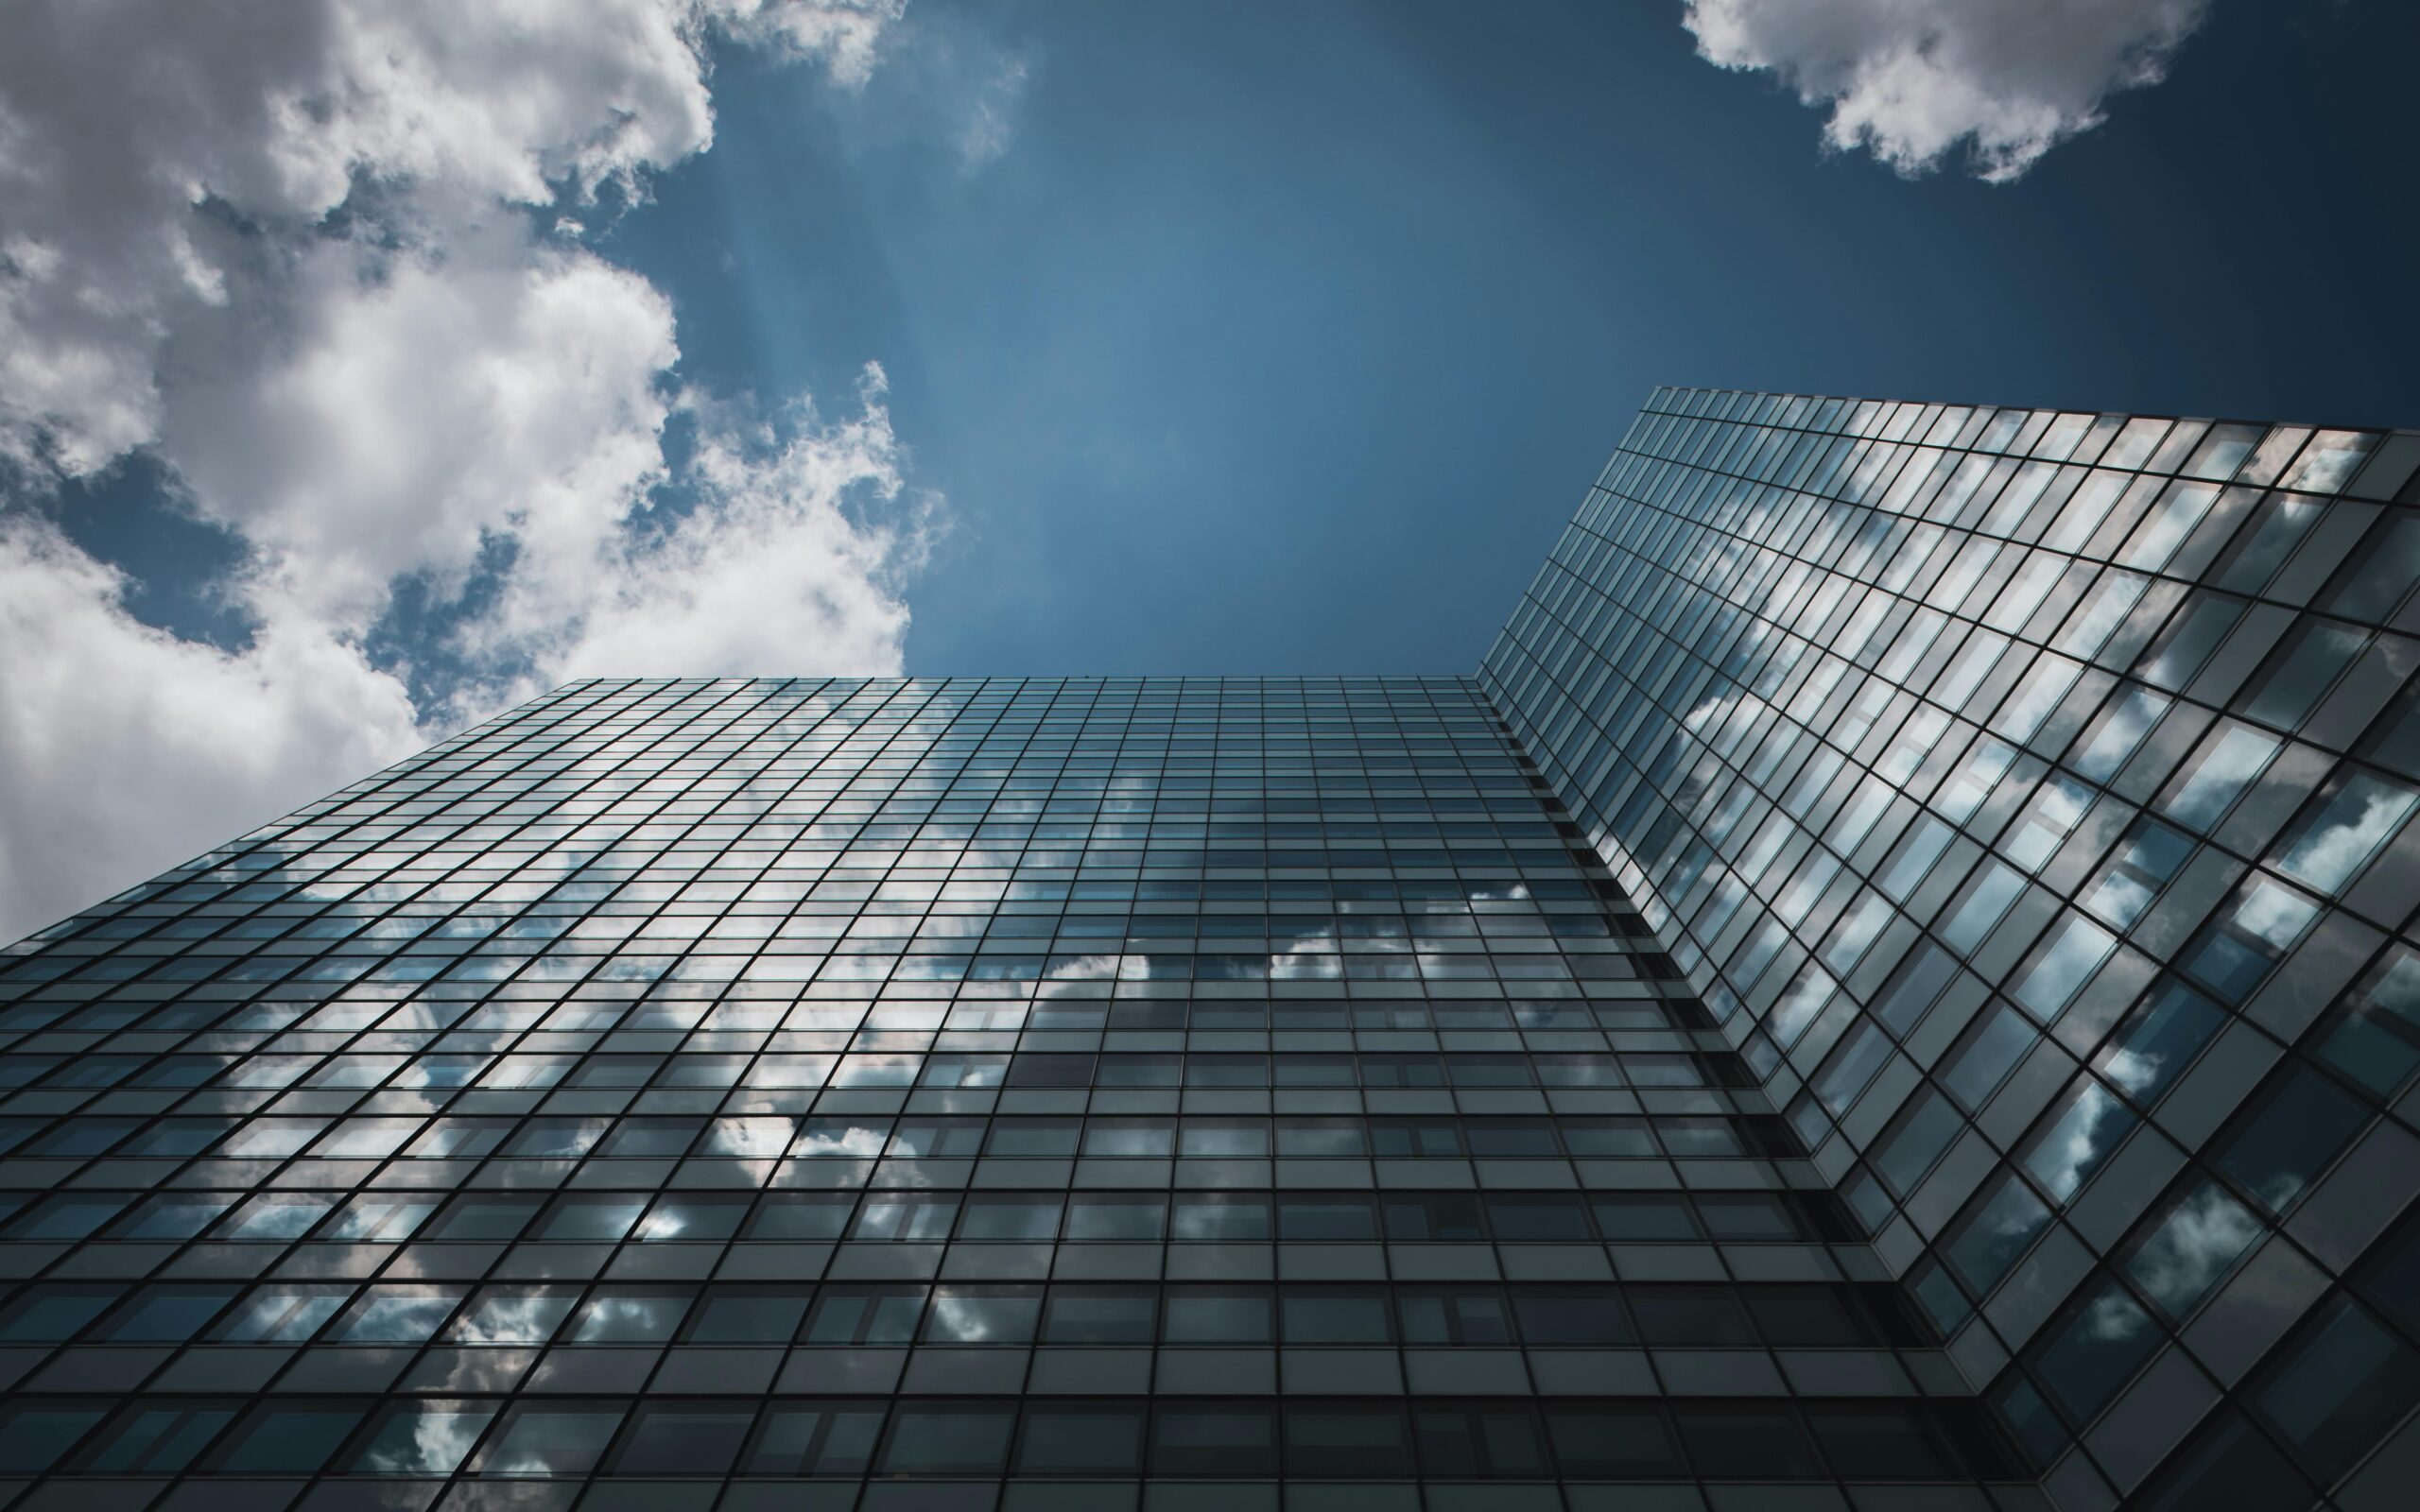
1281,339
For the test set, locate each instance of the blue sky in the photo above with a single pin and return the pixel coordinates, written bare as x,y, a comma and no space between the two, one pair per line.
1284,341
367,372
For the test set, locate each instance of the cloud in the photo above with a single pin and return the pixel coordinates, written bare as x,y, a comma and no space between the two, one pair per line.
146,147
774,570
1911,80
320,261
124,749
989,120
398,414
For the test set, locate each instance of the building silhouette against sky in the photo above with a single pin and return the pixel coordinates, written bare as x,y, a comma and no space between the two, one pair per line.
1890,990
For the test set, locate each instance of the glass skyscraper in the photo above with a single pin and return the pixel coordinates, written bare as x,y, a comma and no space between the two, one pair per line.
1890,990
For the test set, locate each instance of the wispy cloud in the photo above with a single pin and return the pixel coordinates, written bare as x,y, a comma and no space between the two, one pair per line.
991,117
1914,80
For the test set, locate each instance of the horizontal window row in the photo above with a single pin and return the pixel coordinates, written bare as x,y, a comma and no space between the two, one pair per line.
926,1217
1110,961
1598,1316
538,1071
1510,919
1219,1439
869,1138
499,1022
1309,903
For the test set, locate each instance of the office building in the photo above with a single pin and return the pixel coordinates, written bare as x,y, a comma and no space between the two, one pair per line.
1886,991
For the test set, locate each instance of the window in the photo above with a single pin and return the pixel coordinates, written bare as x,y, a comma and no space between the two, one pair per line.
694,1216
1026,1219
550,1438
2061,966
1453,1315
1628,1441
1116,1218
2373,1036
1335,1316
1083,1440
1213,1440
1645,1218
2102,751
2229,1463
2084,1358
799,1216
34,1433
864,1315
2305,665
685,1438
1325,1218
1099,1315
2188,1243
163,1314
2286,1134
1808,1316
1345,1442
1571,1316
2076,1138
1218,1219
1495,1442
746,1314
1999,1226
1690,1315
2250,934
1538,1218
2157,1041
1432,1217
1980,906
286,1438
591,1217
2045,822
2351,820
1212,1316
906,1217
1879,1441
1925,1128
1742,1442
2336,1386
482,1217
2217,775
2146,860
280,1315
153,1437
420,1438
629,1315
512,1314
827,1438
1986,1055
396,1315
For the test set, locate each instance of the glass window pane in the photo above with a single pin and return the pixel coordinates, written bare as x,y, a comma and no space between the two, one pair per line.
2286,1134
2354,816
2082,1360
550,1439
2339,1383
2187,1244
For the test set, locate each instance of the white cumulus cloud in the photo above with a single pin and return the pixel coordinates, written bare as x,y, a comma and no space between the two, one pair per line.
395,414
103,717
317,260
789,564
1913,81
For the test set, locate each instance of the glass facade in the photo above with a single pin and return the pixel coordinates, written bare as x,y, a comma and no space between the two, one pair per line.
1884,993
2025,793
